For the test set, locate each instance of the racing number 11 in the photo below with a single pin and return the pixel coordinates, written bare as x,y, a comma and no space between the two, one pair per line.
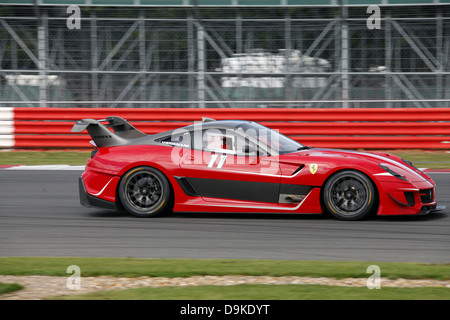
214,156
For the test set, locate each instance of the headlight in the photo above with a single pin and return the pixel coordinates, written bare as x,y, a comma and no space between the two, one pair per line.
392,172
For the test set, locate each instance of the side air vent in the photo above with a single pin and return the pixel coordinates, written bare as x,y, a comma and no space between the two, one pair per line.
298,169
409,196
187,187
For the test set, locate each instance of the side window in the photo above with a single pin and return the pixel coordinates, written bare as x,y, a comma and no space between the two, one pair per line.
245,147
218,141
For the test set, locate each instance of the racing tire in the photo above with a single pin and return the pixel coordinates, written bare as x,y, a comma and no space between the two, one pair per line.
145,192
349,195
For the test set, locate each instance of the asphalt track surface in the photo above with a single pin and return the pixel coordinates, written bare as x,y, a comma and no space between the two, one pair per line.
41,216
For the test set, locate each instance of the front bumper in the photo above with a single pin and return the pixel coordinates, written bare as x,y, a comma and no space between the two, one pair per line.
407,198
431,209
90,201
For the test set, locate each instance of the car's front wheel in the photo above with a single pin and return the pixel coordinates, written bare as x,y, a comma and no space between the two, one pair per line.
144,191
349,195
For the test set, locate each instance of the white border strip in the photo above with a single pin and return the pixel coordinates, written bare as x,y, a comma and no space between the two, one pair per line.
6,141
6,113
7,127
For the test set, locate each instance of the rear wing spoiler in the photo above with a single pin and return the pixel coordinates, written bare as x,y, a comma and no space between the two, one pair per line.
122,132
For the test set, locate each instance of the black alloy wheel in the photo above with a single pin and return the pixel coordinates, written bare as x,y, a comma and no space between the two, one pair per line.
349,195
144,192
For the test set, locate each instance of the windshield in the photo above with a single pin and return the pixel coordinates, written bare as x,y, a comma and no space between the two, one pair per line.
274,140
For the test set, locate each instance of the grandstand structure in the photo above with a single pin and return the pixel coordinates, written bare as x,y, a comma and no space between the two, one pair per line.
225,53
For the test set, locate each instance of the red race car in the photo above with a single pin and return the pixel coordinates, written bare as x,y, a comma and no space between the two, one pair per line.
242,166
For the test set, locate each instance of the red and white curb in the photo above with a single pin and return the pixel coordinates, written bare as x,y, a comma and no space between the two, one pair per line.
426,170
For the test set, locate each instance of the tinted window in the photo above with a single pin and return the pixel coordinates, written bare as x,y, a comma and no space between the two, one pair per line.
268,138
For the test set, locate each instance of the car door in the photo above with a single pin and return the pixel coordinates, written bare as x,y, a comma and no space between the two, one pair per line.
224,167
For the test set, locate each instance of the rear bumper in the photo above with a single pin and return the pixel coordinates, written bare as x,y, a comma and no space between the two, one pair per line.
90,201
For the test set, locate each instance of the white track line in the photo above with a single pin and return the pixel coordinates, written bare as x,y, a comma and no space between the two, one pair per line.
47,167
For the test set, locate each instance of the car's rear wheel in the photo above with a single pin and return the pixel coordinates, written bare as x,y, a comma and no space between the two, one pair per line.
349,195
144,192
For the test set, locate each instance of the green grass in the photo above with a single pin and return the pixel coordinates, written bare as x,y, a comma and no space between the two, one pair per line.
425,159
75,158
267,292
9,287
421,158
131,267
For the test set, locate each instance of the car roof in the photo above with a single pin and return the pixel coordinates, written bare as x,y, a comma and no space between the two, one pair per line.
209,124
218,124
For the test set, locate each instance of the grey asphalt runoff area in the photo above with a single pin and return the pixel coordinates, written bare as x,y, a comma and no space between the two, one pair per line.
41,216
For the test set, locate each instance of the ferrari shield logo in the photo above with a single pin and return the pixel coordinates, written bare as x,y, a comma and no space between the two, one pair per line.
313,167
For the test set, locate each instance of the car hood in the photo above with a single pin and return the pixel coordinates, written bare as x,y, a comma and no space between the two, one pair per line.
394,162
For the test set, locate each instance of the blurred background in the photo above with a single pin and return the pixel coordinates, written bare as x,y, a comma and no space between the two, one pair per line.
316,70
225,54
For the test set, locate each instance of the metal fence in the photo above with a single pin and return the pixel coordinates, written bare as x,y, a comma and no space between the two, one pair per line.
225,57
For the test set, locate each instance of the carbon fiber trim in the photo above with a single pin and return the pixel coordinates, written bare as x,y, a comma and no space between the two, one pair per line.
90,201
241,190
